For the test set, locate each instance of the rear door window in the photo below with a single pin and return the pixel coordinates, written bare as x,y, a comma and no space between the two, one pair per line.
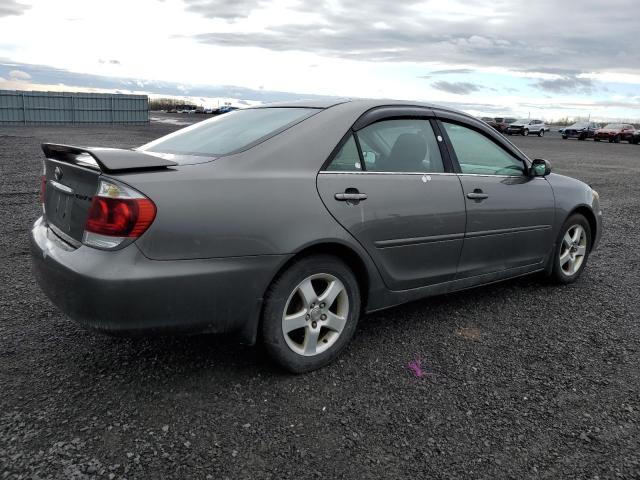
347,159
404,145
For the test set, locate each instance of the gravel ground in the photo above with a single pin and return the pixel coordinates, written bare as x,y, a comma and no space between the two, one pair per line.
522,379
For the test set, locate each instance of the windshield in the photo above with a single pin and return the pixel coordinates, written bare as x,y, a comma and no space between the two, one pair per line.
614,126
522,120
578,125
230,132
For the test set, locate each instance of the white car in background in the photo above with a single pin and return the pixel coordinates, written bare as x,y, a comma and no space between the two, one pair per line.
526,127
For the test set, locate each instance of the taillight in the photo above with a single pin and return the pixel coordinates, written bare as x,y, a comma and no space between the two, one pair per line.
118,213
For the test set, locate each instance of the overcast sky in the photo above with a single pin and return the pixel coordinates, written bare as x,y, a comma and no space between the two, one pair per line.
550,58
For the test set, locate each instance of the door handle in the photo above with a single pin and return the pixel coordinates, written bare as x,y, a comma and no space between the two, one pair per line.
350,197
477,195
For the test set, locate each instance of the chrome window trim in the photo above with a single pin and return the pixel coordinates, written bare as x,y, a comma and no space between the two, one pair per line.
489,175
337,172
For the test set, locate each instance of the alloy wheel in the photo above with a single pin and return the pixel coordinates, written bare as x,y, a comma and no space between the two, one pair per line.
315,314
573,250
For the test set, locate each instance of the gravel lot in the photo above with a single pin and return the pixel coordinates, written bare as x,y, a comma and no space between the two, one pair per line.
524,379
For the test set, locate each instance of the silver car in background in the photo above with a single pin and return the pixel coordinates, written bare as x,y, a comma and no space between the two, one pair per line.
282,224
526,127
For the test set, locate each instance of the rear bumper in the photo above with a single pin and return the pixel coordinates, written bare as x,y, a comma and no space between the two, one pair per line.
124,291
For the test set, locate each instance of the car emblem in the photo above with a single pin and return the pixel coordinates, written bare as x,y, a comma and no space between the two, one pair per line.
57,173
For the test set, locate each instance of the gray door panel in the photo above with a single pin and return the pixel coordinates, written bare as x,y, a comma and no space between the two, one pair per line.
511,227
412,225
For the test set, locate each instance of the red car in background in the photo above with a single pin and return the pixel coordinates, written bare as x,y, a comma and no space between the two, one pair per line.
615,133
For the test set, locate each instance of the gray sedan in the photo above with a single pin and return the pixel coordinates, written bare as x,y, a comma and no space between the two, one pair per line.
286,223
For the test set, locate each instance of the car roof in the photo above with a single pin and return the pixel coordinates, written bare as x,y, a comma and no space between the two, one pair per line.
361,105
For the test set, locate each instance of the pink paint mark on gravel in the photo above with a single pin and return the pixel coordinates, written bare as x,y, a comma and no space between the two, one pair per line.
416,367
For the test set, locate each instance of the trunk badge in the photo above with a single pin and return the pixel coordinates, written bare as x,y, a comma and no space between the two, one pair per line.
57,173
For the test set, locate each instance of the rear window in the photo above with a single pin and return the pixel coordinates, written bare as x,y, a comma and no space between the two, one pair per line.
230,132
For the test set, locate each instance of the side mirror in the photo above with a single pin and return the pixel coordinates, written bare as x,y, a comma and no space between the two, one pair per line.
540,168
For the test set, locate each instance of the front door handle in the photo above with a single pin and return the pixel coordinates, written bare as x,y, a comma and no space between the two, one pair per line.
477,195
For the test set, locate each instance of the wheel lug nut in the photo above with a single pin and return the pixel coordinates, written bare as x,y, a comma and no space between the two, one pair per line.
314,324
323,317
308,316
322,305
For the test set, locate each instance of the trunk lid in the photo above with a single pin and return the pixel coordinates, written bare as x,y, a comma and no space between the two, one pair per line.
72,175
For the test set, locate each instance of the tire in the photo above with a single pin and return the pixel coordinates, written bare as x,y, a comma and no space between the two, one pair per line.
564,137
611,139
541,133
596,139
572,249
582,137
525,132
616,139
318,332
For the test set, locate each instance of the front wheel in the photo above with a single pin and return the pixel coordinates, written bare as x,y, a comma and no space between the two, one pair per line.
310,313
525,132
572,249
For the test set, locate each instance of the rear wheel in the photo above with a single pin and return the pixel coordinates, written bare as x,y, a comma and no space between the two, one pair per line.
572,249
564,137
310,313
525,132
596,139
616,139
541,133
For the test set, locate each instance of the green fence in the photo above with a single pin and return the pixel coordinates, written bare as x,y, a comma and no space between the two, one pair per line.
66,108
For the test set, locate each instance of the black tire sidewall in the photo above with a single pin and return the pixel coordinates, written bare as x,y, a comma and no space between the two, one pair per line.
557,273
275,302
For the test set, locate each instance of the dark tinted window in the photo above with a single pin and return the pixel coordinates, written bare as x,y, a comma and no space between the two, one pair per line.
400,146
229,132
478,154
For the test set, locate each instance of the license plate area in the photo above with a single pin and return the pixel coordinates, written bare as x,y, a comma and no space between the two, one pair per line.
59,209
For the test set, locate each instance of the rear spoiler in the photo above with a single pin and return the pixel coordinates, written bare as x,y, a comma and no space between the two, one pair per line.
107,159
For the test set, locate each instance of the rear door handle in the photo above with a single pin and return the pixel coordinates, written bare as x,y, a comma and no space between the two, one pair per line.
350,197
477,195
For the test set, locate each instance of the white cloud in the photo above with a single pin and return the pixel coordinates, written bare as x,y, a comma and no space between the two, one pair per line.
335,47
19,75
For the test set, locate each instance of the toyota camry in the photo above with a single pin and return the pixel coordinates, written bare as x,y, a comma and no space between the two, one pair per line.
285,223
